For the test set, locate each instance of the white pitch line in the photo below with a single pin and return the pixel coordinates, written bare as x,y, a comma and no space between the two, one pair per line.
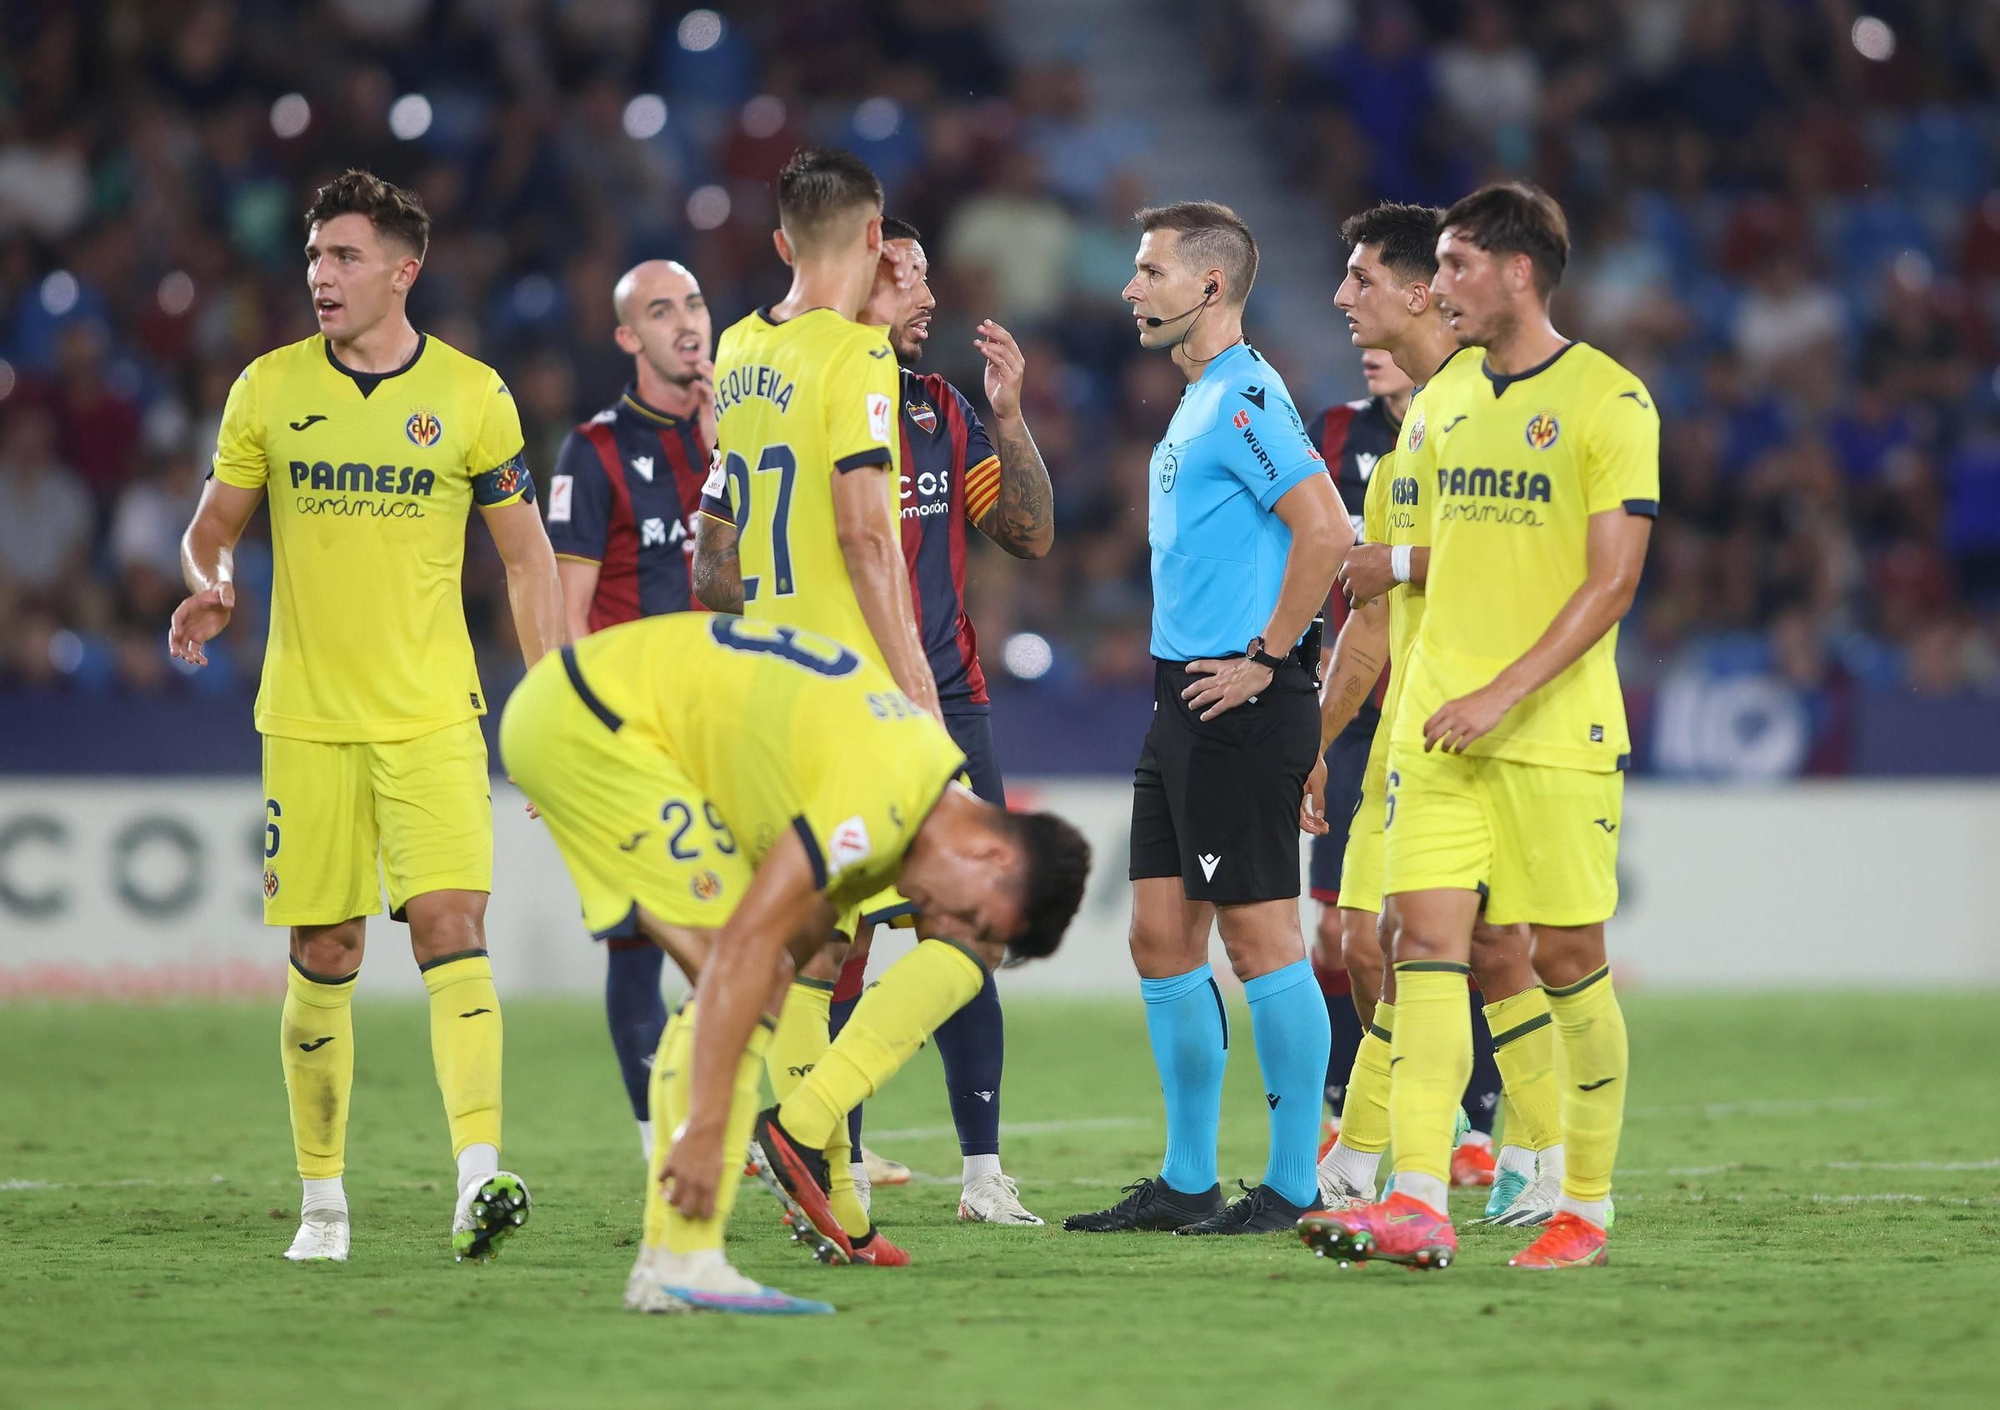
108,1184
1793,1107
1945,1165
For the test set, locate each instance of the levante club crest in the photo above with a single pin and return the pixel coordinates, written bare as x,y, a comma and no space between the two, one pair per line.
923,414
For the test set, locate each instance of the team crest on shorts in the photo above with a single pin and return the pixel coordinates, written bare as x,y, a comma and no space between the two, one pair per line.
423,428
706,886
1543,430
1417,431
270,883
923,414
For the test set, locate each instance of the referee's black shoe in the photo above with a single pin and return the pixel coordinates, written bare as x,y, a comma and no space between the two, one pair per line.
1260,1211
1149,1206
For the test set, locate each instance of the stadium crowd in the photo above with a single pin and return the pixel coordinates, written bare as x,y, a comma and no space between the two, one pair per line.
1787,220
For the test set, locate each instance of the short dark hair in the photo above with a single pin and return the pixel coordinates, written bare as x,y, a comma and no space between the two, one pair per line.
894,229
819,184
1212,236
1516,218
395,213
1406,235
1057,864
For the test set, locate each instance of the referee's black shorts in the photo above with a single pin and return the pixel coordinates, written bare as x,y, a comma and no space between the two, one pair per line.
1216,802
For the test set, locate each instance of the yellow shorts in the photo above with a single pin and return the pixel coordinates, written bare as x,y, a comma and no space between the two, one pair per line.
1541,842
632,827
1361,863
340,819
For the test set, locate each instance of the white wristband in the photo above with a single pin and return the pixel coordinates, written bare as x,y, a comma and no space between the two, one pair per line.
1399,562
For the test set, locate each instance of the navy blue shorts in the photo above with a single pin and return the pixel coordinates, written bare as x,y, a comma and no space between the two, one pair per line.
1346,762
972,731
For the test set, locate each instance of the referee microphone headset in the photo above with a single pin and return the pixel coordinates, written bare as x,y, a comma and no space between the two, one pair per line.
1207,293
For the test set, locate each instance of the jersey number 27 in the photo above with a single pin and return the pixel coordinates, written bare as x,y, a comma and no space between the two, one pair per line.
780,460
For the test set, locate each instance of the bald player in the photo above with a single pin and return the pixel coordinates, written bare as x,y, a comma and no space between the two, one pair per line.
622,502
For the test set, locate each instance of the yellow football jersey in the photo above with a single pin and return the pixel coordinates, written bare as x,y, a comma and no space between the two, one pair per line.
1517,466
781,729
369,478
797,403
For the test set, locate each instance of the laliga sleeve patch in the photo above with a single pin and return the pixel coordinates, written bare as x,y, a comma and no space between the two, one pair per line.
560,488
878,416
848,846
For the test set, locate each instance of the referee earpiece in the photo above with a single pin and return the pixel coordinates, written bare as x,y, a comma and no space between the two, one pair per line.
1208,289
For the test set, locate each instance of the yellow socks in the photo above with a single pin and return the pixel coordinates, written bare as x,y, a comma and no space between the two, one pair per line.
891,1022
1524,1049
668,1095
465,1046
1591,1028
1364,1114
316,1048
1432,1061
796,1049
800,1039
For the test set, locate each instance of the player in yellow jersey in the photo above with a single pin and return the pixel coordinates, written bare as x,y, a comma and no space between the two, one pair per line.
800,518
727,785
801,524
372,442
1508,744
1386,298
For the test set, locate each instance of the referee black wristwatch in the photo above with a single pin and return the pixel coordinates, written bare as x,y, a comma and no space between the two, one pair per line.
1255,652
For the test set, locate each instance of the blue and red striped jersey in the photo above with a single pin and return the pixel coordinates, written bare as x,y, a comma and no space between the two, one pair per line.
1352,437
625,492
951,479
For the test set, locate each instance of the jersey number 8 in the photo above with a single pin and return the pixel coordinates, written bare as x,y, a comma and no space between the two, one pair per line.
821,655
780,459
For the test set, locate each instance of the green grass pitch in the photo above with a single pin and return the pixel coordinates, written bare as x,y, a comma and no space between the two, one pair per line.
1808,1214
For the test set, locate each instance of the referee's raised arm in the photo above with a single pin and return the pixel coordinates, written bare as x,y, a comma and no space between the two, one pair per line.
1247,533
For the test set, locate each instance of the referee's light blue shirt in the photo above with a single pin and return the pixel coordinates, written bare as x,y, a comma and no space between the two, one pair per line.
1235,446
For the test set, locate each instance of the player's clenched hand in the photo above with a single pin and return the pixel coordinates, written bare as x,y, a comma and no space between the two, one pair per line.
1458,722
693,1170
1365,574
1006,369
1229,684
199,619
1312,807
533,811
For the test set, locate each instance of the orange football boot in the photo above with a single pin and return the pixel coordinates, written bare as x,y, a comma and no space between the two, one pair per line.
1570,1241
1472,1165
874,1250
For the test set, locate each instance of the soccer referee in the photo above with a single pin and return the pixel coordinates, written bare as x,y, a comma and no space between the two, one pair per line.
1247,532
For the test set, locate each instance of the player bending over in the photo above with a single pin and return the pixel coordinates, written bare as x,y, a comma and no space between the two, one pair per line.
726,787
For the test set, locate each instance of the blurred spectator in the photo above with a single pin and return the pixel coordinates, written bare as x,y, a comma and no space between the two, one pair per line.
1013,242
45,533
1797,246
